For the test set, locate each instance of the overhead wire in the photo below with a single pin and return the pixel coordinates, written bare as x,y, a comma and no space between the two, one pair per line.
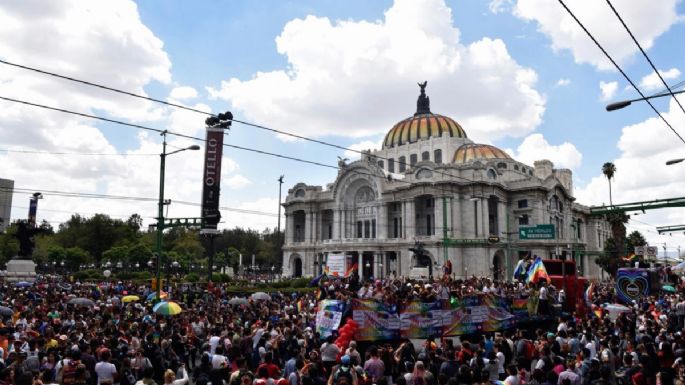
15,151
656,71
582,26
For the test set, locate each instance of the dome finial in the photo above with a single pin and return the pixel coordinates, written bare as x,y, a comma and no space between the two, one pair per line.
423,104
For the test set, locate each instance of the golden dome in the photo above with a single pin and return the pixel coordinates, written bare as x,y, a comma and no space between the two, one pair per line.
421,127
473,151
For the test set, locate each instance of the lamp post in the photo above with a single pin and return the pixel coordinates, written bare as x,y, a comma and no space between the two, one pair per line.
160,204
278,229
626,103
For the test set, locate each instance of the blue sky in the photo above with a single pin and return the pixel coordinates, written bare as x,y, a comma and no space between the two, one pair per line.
517,74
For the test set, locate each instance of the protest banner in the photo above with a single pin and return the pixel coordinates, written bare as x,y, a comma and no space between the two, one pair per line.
421,320
329,316
376,320
474,314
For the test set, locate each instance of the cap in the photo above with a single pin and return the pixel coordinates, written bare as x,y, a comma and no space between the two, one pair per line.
345,360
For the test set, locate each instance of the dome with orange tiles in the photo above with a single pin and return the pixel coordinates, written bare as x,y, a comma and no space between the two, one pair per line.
422,126
473,151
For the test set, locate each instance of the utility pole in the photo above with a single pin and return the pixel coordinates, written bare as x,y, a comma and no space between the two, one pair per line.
279,245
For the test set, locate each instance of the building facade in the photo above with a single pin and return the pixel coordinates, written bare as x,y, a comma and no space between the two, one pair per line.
431,185
6,191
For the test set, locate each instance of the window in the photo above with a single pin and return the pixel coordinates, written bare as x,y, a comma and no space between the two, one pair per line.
396,227
373,228
299,193
523,170
475,217
523,220
391,165
359,229
523,203
516,167
330,231
429,203
367,229
437,156
380,163
413,159
492,174
429,225
501,165
403,163
530,172
425,155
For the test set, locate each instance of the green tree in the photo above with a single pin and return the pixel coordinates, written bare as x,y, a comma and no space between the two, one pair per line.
609,261
75,257
116,254
9,246
140,254
609,169
635,239
618,221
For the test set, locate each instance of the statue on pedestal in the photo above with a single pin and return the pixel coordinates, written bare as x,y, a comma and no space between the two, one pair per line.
25,235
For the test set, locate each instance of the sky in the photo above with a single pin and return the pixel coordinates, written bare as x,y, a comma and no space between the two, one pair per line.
518,74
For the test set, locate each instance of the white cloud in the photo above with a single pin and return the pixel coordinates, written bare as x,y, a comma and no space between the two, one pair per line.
362,146
351,78
646,21
236,182
183,93
563,82
499,6
641,173
608,90
652,82
535,147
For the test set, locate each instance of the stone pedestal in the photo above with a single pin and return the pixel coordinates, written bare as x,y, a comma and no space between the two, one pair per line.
20,270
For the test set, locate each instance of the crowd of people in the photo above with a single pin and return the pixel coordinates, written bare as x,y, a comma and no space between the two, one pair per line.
47,339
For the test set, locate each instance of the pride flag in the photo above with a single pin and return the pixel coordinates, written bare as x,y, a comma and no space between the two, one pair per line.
520,269
589,294
300,307
537,271
351,270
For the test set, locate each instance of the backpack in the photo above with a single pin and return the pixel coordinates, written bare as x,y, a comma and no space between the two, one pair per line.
69,372
530,350
344,375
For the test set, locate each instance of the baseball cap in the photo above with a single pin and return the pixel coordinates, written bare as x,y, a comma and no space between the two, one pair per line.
345,360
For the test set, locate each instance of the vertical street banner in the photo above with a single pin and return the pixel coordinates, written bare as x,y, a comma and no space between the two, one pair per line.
336,265
211,179
421,319
33,208
376,320
329,316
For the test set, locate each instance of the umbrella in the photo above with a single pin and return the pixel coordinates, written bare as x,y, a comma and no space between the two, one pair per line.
130,298
668,288
679,266
615,309
167,308
162,295
64,286
237,301
260,296
23,284
81,302
6,312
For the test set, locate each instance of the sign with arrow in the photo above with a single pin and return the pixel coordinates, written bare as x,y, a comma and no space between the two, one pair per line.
537,232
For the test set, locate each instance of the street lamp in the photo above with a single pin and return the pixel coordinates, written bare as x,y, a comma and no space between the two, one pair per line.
626,103
160,203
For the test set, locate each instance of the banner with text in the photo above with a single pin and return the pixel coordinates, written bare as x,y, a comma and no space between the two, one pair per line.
475,314
421,319
329,316
336,265
377,321
211,179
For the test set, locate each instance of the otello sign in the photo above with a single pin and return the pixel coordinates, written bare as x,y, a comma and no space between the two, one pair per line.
211,177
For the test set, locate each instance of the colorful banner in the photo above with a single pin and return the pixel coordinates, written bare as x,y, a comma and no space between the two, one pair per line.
421,320
329,316
336,265
376,320
475,314
519,307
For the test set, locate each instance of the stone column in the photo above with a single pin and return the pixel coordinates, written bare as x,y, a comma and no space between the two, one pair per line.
289,228
484,230
360,258
382,222
410,220
457,226
336,224
437,216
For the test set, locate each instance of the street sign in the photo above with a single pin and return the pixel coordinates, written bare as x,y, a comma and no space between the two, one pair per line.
640,250
651,251
537,232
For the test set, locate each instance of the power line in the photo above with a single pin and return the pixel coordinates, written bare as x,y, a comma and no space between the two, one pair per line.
670,91
619,69
13,151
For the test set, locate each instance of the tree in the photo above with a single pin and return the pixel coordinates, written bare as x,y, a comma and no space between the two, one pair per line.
617,220
609,169
635,239
610,259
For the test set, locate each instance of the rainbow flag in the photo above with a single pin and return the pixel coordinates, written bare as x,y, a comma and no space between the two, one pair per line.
519,306
596,311
498,382
300,307
589,294
537,271
520,269
351,270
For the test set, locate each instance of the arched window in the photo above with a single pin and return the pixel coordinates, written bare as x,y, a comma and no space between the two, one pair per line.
299,193
425,155
492,174
380,163
391,165
403,163
437,156
413,159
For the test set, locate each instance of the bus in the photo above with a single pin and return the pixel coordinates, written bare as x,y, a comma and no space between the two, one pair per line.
564,275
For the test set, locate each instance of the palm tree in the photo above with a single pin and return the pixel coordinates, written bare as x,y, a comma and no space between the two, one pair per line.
609,169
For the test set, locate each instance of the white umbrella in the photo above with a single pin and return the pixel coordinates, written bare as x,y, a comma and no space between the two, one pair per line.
680,266
237,301
615,310
260,296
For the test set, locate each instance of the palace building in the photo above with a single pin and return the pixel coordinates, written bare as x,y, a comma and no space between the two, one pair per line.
431,186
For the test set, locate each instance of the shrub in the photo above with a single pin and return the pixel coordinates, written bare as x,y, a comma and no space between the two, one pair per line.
192,277
300,282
